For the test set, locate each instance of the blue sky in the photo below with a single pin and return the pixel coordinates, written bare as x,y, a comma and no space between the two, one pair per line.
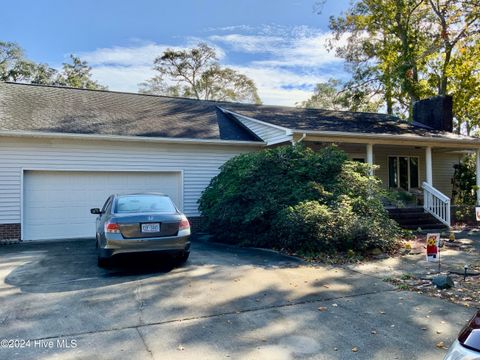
278,43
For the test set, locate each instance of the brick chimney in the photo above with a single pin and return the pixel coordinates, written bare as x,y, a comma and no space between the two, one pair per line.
435,112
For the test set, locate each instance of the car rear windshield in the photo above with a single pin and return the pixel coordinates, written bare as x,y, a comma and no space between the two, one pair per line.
143,204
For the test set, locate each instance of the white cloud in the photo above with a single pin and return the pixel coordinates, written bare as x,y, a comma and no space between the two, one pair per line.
297,48
281,86
122,78
125,56
285,63
249,43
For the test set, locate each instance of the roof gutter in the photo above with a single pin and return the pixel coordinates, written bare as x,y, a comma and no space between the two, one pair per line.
405,137
143,139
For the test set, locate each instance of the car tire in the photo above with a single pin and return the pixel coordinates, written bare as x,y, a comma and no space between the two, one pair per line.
103,262
183,257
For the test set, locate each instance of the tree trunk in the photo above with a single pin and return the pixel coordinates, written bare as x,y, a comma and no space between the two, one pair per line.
442,90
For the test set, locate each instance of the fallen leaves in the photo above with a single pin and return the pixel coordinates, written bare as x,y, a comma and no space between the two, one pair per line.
441,345
354,349
322,308
464,293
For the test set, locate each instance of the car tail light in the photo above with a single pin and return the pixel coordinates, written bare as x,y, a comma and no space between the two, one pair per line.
112,228
184,224
470,334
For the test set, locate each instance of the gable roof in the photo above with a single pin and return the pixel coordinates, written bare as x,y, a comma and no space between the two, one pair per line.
25,107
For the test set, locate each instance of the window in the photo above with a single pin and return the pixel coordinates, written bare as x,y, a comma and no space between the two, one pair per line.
144,203
107,205
403,172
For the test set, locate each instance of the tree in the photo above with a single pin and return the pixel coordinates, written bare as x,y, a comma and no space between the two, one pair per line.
405,48
13,64
331,96
78,75
196,73
465,85
457,22
43,74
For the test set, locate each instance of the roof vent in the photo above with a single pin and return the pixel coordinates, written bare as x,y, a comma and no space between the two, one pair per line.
435,112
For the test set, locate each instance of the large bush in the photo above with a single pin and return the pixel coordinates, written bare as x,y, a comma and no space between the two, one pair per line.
293,198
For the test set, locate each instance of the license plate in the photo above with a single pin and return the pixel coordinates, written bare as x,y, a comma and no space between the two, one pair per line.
150,228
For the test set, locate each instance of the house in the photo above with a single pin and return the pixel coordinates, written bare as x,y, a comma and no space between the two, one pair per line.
64,150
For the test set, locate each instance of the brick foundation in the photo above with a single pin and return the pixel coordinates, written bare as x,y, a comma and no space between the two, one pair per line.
9,231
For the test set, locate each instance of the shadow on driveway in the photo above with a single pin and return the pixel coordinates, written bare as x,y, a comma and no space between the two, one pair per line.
72,265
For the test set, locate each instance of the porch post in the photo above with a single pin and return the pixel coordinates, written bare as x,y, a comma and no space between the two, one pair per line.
477,171
370,156
428,165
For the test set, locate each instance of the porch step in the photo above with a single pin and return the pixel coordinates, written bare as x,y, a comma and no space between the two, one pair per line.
415,217
440,227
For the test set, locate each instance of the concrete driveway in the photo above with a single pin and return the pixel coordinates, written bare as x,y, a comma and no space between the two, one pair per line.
224,303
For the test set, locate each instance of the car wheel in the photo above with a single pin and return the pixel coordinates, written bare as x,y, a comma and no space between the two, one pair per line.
102,262
183,257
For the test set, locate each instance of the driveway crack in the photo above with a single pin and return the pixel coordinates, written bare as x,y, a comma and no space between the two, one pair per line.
226,313
140,303
144,343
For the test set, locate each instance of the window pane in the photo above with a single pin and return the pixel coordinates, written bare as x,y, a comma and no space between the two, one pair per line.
361,160
403,164
414,172
105,206
392,172
143,203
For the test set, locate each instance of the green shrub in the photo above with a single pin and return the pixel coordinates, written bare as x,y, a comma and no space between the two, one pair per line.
464,182
294,198
309,221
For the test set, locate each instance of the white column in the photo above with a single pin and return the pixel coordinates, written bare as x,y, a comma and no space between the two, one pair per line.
477,171
428,165
370,156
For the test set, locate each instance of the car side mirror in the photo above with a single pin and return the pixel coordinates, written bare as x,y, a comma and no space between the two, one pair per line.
95,211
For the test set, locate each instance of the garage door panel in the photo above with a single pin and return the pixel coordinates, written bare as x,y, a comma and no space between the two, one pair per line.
57,203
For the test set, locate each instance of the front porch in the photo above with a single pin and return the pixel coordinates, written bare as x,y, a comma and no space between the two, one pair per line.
423,170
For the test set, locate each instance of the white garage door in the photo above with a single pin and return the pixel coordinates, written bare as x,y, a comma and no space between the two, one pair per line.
56,204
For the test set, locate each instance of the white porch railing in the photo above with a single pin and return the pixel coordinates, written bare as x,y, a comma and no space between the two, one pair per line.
436,203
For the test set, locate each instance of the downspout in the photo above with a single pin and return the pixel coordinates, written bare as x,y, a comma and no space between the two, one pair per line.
299,140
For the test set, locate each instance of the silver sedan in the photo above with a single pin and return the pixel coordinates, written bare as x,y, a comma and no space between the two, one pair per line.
145,222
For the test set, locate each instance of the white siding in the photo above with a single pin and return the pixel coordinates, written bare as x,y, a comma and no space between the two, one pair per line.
198,162
269,134
443,171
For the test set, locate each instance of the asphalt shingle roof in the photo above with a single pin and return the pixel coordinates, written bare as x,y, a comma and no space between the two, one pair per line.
329,120
66,110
